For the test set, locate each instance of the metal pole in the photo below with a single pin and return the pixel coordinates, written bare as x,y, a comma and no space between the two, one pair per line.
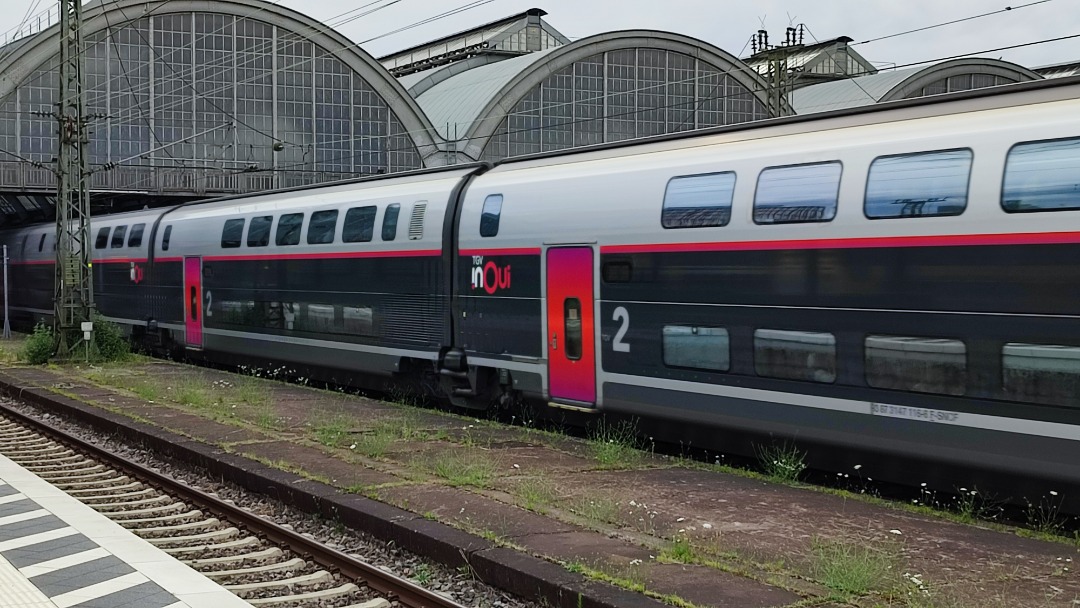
7,324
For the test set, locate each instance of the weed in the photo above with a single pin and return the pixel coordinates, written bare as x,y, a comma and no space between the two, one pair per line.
110,341
781,462
1045,517
598,507
423,574
147,391
266,418
680,551
191,390
460,467
39,346
372,445
536,492
333,431
616,446
853,568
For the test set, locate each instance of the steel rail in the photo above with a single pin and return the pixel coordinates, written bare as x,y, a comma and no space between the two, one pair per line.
391,585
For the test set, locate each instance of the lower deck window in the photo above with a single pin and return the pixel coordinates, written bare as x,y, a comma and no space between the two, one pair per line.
705,348
1042,373
921,365
795,355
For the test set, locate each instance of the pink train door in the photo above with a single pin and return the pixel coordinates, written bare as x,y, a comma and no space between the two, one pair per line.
570,340
193,302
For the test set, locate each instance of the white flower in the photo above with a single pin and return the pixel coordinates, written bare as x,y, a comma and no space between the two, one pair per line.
895,531
352,447
635,562
707,526
633,504
857,467
681,519
1053,493
517,466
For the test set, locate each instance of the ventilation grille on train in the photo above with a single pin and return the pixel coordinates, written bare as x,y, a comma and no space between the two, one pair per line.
416,222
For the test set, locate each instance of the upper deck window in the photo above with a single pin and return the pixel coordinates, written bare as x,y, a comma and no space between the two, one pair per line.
489,216
166,237
924,184
118,237
259,231
135,237
288,229
797,193
389,223
322,227
359,224
1042,176
232,234
698,201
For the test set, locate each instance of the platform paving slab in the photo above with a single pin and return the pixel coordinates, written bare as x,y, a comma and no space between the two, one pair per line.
763,531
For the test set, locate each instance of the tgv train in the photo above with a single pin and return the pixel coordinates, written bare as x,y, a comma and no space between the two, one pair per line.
902,280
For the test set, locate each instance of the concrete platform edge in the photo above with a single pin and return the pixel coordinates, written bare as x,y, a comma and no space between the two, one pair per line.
507,569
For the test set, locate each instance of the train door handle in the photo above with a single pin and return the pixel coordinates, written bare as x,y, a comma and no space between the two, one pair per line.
554,341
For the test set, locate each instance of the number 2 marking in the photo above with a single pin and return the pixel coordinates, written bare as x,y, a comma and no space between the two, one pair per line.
209,304
623,315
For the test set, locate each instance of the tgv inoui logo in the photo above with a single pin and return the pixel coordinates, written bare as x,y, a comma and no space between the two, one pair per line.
489,277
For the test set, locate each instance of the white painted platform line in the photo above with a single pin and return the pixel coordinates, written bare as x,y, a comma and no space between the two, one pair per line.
63,562
14,519
93,592
33,539
17,592
12,498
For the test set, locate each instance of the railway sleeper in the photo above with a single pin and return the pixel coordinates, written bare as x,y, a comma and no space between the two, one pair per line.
93,483
265,554
293,564
134,485
230,532
131,523
247,541
191,525
315,578
90,500
122,515
124,504
321,595
50,463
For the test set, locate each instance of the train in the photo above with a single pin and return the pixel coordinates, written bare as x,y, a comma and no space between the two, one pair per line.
894,289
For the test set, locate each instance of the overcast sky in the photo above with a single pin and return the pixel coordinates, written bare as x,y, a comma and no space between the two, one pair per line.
724,23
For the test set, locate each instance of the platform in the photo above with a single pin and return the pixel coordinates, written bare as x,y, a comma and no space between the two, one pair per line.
56,552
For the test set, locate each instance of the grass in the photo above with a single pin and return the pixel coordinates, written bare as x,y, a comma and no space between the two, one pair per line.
332,431
598,507
851,568
783,463
462,467
616,446
680,550
422,574
536,493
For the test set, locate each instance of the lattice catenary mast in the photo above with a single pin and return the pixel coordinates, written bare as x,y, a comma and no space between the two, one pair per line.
74,287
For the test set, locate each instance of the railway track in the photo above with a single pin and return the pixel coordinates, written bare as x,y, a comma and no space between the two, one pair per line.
264,563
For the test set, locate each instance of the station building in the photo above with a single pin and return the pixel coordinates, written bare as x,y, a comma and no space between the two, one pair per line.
195,99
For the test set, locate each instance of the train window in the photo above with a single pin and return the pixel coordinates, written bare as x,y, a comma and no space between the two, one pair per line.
795,355
704,348
41,244
135,237
489,216
232,234
288,229
697,201
572,325
619,271
359,224
358,320
389,222
797,193
1042,176
102,238
925,184
25,240
921,365
322,227
166,237
1041,373
259,231
118,237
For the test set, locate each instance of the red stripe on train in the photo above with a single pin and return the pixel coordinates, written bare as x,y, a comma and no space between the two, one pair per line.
508,251
324,256
956,240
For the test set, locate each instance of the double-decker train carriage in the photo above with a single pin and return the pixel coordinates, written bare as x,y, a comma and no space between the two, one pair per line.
902,280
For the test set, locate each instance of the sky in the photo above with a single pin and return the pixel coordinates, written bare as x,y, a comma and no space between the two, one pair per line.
723,23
